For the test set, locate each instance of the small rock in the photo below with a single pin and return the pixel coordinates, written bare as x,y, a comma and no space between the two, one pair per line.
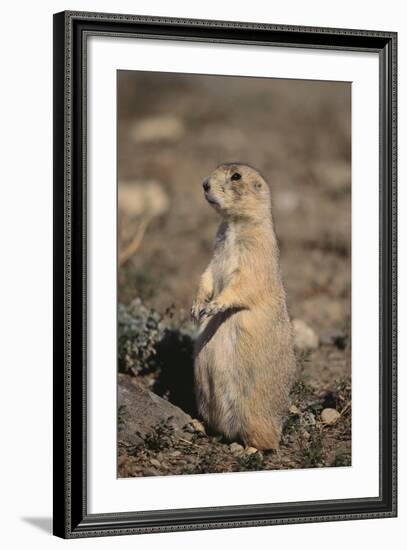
142,198
294,410
155,462
287,201
235,448
144,411
329,416
305,338
175,454
167,128
305,434
250,451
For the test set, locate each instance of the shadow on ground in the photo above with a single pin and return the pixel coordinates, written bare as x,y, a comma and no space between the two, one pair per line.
42,523
176,375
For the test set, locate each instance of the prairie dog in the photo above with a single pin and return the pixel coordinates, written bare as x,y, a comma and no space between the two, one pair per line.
244,359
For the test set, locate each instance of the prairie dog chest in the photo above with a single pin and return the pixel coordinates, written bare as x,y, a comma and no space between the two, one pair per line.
226,257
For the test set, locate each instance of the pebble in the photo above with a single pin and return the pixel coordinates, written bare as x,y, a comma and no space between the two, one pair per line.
250,451
305,338
329,416
167,128
294,410
143,198
287,201
236,448
155,462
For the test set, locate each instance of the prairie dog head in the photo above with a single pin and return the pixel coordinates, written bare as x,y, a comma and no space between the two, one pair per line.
238,191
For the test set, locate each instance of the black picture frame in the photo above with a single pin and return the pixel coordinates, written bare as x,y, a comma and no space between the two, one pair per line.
71,518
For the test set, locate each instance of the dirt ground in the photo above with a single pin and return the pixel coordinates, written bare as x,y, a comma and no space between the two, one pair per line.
173,130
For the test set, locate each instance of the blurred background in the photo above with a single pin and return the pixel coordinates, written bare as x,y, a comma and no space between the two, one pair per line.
173,130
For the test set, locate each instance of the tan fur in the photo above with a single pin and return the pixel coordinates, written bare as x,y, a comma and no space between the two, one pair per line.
244,359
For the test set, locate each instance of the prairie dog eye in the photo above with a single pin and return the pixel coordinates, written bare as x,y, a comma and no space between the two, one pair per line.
236,176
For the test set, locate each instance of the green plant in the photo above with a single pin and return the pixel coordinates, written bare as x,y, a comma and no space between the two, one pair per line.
121,417
313,451
251,462
139,331
160,436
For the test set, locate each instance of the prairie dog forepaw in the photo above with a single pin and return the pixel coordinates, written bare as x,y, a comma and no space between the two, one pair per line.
211,309
195,309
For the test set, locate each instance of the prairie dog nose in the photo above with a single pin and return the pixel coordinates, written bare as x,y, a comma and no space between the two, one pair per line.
206,185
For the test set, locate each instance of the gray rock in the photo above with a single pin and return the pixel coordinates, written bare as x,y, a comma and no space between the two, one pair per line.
141,411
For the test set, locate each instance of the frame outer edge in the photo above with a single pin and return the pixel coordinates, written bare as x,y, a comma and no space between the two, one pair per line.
63,60
394,175
59,279
219,23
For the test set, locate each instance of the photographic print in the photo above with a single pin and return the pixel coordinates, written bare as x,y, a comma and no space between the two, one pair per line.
234,274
